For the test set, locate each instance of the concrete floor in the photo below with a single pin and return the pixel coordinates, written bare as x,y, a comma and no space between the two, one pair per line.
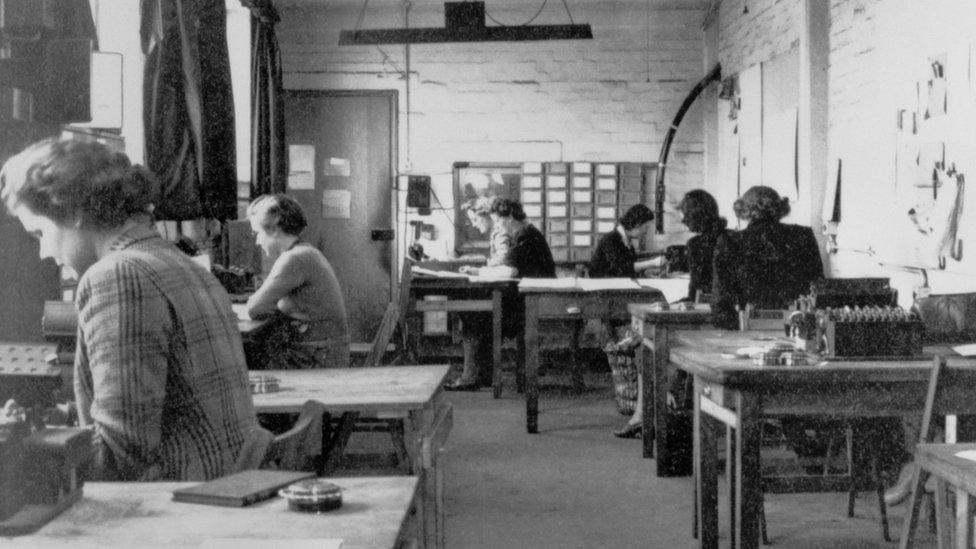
574,485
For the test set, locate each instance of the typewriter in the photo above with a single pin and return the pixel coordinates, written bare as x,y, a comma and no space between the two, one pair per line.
40,466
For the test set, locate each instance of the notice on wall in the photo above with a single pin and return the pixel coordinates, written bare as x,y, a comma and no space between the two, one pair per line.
336,204
301,167
336,167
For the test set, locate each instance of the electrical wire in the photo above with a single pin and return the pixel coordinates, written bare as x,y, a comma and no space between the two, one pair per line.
571,22
362,15
533,18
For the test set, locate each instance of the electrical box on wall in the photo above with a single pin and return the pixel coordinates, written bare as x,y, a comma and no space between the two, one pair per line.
418,192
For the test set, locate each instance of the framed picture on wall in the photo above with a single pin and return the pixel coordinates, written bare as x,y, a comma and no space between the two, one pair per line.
476,184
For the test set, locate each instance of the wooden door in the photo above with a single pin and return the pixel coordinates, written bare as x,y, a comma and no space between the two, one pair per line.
352,139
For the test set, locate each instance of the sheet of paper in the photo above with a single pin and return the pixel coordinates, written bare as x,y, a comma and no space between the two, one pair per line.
298,543
301,181
968,349
336,204
301,158
967,454
439,274
672,288
596,284
336,167
566,283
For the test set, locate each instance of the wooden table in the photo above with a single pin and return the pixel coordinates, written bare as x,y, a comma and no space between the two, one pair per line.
411,393
377,513
556,303
656,328
949,469
467,296
738,393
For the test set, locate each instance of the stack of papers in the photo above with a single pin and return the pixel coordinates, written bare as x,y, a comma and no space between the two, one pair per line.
579,284
439,274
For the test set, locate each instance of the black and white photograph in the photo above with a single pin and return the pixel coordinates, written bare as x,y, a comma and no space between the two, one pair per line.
487,274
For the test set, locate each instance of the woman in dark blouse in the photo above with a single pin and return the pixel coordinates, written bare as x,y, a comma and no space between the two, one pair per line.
530,257
768,264
614,256
700,214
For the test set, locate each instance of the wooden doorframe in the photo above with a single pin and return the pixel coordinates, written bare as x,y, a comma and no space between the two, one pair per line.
392,97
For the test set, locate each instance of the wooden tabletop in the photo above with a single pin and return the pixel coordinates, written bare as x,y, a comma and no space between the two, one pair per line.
650,312
387,389
143,514
942,460
706,353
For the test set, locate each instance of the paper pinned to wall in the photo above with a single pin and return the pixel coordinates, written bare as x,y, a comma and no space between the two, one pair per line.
336,204
750,127
301,167
779,154
339,167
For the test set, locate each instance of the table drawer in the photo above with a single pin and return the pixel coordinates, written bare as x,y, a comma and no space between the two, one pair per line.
591,306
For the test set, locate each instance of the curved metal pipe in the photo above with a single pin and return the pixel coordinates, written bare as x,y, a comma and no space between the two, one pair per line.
713,75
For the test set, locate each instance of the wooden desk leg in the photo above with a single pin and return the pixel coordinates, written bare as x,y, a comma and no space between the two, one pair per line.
943,530
708,484
652,425
748,480
656,401
496,342
731,477
964,519
532,364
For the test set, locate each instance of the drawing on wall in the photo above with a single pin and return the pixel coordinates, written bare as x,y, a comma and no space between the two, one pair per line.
935,104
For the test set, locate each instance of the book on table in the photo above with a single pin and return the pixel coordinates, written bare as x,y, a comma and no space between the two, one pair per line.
240,489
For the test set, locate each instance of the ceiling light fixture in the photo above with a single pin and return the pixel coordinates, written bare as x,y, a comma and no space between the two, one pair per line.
465,22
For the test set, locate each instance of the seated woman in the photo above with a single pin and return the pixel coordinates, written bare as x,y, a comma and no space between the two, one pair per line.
301,292
700,214
528,257
614,255
768,264
159,373
499,241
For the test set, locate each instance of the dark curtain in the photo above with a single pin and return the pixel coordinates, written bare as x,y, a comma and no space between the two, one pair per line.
269,168
188,109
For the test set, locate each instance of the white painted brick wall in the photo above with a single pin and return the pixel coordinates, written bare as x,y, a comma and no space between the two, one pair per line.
871,44
607,99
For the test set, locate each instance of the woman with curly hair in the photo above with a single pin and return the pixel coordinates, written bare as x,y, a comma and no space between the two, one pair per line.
159,373
768,264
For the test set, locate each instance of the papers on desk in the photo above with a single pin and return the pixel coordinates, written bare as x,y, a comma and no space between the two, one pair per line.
968,349
967,454
438,274
246,543
451,274
597,284
673,289
580,284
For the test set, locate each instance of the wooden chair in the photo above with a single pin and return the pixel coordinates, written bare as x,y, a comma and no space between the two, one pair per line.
948,388
351,422
300,447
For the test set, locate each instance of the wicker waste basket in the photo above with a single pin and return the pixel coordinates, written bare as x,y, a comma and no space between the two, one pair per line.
623,369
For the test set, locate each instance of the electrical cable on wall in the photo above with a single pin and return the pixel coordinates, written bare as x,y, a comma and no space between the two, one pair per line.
529,22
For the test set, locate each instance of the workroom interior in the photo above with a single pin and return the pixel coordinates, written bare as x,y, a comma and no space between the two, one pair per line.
413,208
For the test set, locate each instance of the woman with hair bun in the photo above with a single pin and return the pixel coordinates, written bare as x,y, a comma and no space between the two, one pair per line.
614,256
768,264
160,375
301,293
